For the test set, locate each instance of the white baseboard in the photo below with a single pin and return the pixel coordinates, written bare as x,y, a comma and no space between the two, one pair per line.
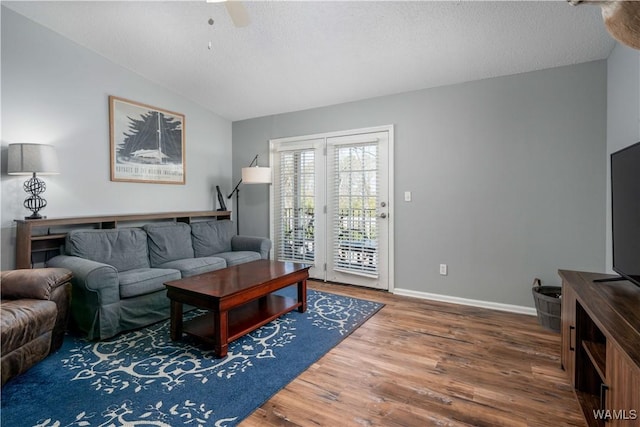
465,301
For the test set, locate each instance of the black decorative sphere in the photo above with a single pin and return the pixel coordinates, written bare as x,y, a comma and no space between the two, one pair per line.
35,203
34,186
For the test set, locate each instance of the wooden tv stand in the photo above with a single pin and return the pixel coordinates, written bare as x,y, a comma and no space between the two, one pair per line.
601,347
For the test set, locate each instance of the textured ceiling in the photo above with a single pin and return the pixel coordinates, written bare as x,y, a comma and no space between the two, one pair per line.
299,55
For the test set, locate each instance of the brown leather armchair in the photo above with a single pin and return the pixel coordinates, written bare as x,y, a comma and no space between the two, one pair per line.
34,310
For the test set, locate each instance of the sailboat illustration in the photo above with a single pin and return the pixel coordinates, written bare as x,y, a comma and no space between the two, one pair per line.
153,138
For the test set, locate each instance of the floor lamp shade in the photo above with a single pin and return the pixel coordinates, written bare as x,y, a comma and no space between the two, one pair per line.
32,159
256,175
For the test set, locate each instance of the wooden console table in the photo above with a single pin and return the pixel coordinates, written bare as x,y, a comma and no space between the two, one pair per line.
601,347
36,235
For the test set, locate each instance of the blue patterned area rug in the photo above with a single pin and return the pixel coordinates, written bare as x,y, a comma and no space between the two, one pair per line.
143,378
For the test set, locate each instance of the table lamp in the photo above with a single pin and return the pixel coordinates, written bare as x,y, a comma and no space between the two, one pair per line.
32,159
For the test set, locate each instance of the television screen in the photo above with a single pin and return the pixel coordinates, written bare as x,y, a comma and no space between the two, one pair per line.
625,212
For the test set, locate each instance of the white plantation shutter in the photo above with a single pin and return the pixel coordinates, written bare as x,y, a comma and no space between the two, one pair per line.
354,208
295,202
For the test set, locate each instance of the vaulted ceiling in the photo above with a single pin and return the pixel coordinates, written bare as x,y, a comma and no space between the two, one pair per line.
296,55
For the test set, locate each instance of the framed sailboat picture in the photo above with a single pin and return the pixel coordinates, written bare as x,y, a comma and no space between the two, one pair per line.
147,143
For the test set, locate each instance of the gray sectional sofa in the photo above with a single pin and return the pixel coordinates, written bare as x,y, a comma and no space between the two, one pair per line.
119,274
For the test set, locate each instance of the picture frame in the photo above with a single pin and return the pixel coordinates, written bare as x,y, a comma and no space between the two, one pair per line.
147,143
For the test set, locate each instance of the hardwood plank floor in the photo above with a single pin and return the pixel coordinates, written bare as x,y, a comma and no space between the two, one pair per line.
423,363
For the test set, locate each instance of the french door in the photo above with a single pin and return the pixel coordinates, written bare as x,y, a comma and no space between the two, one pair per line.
330,205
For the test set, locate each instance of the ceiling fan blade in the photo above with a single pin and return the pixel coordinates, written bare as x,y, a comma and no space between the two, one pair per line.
237,12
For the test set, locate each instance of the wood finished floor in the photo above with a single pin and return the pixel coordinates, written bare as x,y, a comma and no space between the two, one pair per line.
424,363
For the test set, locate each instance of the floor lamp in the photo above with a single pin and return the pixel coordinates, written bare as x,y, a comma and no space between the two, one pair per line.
253,174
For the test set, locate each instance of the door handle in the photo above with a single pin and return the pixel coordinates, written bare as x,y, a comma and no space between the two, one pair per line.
603,396
383,215
571,347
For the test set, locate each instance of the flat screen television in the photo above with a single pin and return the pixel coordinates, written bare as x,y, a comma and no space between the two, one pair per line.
625,212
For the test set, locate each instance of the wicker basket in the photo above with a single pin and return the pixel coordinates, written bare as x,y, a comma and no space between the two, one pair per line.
548,301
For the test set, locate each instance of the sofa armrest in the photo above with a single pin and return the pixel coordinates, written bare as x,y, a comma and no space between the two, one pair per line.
93,282
250,243
36,283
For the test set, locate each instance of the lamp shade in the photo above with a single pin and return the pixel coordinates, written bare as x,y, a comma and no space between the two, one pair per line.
256,175
25,159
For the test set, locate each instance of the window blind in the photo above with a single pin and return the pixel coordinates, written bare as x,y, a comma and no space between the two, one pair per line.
295,201
354,208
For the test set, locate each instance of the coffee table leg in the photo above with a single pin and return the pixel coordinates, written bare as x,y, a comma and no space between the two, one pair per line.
221,331
302,296
176,320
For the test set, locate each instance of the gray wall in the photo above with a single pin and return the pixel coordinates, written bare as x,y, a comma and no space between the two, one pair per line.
623,114
507,175
55,91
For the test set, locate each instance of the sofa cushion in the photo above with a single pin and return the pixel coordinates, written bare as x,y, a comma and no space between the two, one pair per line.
192,266
211,237
22,321
168,242
238,257
262,245
123,248
143,281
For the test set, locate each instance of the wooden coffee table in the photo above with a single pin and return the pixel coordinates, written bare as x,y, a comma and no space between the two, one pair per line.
240,299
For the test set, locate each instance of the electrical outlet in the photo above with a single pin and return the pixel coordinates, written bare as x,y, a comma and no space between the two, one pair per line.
443,269
407,196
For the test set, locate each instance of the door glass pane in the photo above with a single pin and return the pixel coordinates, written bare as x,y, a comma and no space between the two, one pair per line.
355,223
296,228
